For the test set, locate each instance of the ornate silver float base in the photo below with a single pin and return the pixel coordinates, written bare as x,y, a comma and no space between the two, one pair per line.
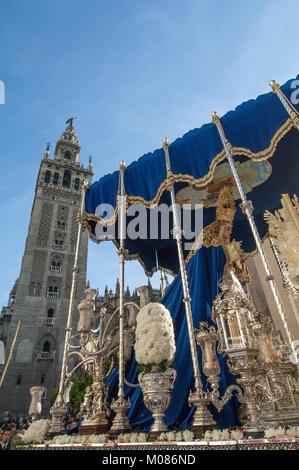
281,418
243,361
203,419
99,425
120,423
156,388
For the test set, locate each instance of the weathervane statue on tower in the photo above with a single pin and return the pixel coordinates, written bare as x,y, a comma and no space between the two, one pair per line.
70,121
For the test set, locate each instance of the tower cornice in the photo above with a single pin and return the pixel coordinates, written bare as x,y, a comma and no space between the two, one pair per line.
76,166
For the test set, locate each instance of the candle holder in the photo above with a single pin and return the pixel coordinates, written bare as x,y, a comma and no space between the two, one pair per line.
207,338
98,355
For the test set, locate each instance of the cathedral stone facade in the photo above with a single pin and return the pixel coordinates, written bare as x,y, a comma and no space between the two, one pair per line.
40,296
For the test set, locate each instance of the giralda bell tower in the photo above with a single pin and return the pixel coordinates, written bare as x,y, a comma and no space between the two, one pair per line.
41,294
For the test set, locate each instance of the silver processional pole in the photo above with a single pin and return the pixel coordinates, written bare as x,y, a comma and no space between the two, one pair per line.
285,102
59,406
202,418
247,209
121,405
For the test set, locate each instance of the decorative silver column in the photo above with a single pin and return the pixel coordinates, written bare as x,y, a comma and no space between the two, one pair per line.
59,408
202,418
247,209
121,405
285,102
162,283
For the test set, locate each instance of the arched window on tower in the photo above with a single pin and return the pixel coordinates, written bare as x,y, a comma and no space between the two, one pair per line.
46,347
43,379
53,292
56,264
61,225
58,244
77,183
66,182
47,176
19,379
50,317
46,351
56,178
68,155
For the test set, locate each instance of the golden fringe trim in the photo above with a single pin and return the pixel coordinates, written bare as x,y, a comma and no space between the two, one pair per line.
269,151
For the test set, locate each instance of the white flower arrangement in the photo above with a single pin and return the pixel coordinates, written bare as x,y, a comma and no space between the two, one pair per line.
170,436
124,437
293,431
208,435
236,435
134,437
83,439
274,432
223,435
97,438
36,431
179,436
216,435
54,440
76,439
155,341
62,439
188,436
142,437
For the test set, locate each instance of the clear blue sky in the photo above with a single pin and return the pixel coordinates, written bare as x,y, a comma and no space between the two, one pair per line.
132,71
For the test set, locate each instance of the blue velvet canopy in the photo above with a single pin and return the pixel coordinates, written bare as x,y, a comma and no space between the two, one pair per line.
260,132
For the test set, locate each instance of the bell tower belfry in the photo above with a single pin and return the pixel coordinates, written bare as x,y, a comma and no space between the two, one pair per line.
68,147
41,297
